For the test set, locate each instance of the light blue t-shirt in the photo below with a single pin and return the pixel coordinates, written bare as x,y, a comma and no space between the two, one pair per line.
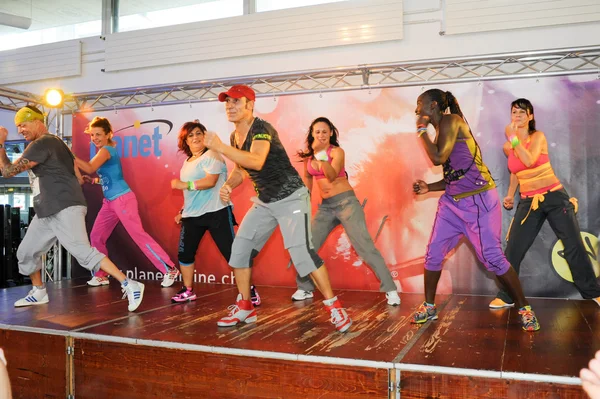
197,203
111,176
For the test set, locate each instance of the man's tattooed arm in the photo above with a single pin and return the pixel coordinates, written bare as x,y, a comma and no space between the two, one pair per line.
11,169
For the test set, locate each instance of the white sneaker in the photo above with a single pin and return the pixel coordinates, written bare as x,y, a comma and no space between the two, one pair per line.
36,296
134,293
98,281
170,278
301,295
392,298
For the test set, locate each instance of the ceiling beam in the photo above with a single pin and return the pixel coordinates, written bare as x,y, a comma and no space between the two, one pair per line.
15,21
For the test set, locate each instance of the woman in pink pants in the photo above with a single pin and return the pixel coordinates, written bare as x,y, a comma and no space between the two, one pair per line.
119,204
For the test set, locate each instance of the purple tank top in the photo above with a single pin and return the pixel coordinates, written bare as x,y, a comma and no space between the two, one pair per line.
465,173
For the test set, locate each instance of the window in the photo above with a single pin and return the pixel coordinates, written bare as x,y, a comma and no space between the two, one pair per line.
59,20
19,201
14,150
155,13
270,5
51,22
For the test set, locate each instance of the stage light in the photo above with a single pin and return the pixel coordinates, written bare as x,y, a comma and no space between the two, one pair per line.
54,97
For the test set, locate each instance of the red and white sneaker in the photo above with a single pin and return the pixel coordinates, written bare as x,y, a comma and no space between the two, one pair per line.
339,316
242,311
170,277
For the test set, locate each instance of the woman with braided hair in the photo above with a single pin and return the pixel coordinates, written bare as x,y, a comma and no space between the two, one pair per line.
469,207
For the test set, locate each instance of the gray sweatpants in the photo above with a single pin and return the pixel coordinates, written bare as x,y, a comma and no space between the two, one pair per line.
292,215
68,226
345,209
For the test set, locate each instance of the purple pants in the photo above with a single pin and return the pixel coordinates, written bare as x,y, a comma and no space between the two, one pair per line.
124,209
477,217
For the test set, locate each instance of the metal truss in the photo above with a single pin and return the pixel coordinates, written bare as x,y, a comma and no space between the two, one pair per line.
536,64
53,263
49,260
12,100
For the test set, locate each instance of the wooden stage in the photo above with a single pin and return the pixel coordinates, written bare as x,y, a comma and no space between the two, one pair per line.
86,344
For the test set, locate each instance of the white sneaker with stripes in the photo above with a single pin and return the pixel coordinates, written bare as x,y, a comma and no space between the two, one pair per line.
36,296
134,291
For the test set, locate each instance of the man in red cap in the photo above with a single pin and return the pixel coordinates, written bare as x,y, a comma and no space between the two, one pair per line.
283,200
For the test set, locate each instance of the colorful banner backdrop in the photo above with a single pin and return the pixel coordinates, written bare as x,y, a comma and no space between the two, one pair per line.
383,158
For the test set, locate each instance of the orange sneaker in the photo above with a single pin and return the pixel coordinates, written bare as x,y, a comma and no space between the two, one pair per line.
498,303
597,300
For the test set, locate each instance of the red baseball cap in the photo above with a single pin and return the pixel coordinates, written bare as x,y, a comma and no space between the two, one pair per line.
238,91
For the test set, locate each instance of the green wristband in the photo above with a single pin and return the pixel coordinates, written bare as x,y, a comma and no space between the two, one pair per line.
514,141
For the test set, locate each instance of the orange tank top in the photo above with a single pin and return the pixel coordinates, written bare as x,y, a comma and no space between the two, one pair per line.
516,166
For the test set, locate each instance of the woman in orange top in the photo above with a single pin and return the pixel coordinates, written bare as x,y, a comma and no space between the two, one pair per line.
542,197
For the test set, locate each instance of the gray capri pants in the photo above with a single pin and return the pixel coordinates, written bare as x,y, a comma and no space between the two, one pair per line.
68,226
292,214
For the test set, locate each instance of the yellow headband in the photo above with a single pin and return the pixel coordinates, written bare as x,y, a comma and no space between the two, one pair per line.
27,115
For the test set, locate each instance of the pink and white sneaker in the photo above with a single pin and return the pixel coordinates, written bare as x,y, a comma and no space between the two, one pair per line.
184,295
98,281
254,297
170,277
242,311
339,316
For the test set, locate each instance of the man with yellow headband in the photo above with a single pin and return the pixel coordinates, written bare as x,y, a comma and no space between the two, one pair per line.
59,205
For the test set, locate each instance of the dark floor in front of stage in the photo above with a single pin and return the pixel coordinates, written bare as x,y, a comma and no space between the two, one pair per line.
467,334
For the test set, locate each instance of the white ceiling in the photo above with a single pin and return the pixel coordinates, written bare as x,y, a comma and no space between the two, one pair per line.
51,13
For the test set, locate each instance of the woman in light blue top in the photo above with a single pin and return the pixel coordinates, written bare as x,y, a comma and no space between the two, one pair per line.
201,177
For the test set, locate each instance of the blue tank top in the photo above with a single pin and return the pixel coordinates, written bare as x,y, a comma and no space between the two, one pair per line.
465,173
111,176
